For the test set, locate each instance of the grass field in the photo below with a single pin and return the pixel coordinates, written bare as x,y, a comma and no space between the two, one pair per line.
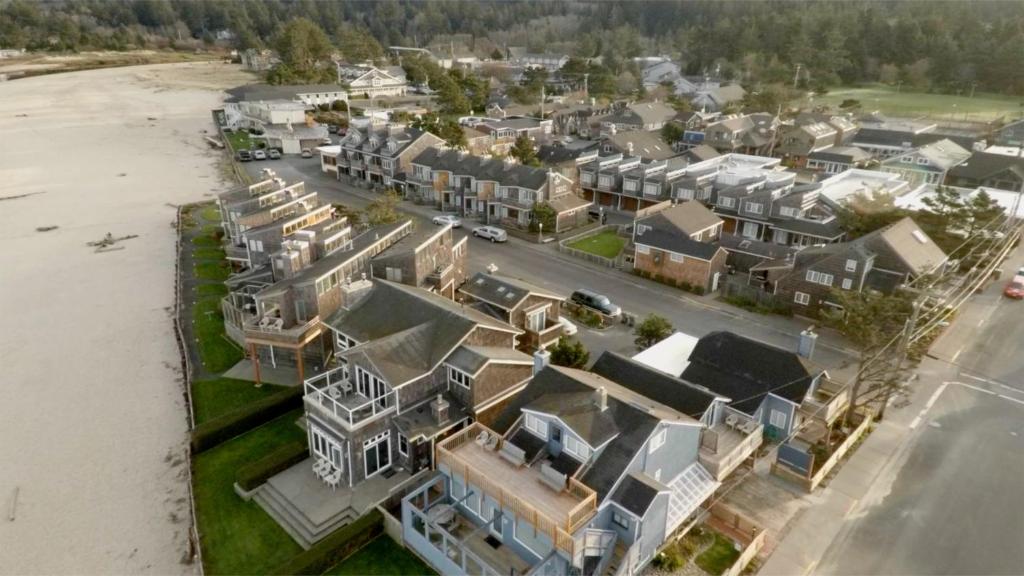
607,244
238,537
213,398
239,140
382,557
937,106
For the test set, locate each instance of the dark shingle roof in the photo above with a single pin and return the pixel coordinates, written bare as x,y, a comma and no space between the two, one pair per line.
483,168
654,384
746,370
502,291
770,250
634,424
664,235
829,229
982,165
636,493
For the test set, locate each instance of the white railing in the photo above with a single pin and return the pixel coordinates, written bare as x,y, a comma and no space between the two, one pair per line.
271,325
722,461
333,396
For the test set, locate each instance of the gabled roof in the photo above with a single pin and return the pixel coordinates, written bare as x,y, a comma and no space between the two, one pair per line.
769,250
647,145
406,345
637,492
653,112
943,154
688,217
669,390
701,153
745,370
850,154
911,245
472,359
483,168
671,232
982,165
634,416
503,291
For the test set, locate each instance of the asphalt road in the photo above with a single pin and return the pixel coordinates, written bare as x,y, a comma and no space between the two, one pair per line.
545,266
954,504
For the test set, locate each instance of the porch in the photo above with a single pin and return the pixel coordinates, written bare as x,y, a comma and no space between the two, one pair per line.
333,396
546,336
308,509
726,444
827,402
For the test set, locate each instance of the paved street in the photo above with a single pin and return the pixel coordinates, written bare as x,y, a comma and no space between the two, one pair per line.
545,266
935,489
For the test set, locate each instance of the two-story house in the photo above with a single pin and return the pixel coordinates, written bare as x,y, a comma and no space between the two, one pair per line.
748,134
630,183
365,81
532,309
647,116
678,245
376,155
579,474
882,260
1011,134
928,164
799,141
432,258
837,159
502,133
495,191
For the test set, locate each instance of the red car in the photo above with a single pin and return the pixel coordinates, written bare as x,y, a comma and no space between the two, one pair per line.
1015,289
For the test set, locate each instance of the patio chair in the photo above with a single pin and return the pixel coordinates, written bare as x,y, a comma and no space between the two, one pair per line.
482,438
732,420
334,392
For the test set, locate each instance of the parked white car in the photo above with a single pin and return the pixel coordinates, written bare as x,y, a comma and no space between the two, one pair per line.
492,233
568,328
448,219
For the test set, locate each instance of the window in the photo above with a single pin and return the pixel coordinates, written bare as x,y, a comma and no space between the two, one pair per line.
459,377
802,298
620,520
537,426
826,279
630,185
851,265
789,211
377,453
576,447
403,445
605,181
751,230
656,441
652,189
754,207
922,161
588,178
393,274
642,249
726,202
535,321
778,419
676,257
847,283
685,194
819,278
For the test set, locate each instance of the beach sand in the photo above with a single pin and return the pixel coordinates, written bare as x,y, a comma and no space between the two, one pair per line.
92,415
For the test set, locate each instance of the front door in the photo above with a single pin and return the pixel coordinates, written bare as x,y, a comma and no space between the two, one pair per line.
377,453
492,515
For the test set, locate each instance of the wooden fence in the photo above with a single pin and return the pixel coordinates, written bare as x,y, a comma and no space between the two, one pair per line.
740,529
841,451
563,247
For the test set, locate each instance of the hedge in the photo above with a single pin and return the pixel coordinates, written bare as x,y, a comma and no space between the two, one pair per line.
255,473
223,428
336,547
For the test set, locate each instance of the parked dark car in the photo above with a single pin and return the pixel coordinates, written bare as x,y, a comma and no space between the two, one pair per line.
333,129
244,156
595,301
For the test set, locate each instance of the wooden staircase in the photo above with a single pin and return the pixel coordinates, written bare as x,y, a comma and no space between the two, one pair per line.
618,555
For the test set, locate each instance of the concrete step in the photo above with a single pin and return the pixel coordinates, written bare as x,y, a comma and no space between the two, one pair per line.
298,525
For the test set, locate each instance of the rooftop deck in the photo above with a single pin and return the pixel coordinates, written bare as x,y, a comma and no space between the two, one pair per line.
523,489
727,444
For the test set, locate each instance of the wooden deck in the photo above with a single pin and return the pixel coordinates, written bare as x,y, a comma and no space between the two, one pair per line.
526,482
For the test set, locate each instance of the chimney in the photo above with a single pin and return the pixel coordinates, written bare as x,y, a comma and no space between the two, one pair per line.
353,292
439,409
807,340
601,399
611,130
629,148
541,359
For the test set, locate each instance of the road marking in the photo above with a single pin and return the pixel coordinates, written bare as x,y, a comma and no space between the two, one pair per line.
811,568
935,396
1005,397
914,423
982,322
957,355
978,388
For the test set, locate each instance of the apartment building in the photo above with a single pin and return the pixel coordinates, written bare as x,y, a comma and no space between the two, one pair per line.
376,154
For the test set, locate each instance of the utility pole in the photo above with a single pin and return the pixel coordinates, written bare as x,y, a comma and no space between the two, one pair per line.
901,354
796,77
543,93
586,85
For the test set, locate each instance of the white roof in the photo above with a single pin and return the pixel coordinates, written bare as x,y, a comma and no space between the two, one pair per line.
332,150
845,184
671,355
1004,150
1005,198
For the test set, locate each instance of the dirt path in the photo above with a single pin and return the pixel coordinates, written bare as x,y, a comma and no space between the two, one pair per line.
92,420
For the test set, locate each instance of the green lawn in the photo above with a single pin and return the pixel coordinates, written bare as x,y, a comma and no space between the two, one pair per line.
218,353
238,537
213,398
204,253
211,213
939,106
239,140
719,557
205,241
608,244
382,557
217,271
219,290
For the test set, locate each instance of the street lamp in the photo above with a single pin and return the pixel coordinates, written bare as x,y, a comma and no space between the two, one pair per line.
540,232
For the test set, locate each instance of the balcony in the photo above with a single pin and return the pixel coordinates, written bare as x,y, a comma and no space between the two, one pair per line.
270,329
725,445
236,253
534,340
480,456
828,401
332,397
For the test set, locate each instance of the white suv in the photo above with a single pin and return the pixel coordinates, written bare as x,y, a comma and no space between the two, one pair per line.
492,233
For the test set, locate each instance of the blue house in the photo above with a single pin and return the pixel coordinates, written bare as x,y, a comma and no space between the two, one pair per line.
580,473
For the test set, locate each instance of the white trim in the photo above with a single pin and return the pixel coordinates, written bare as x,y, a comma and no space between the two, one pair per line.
382,438
542,429
407,445
802,298
467,384
515,525
657,440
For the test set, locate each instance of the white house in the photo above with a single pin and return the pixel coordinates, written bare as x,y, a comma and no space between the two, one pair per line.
372,82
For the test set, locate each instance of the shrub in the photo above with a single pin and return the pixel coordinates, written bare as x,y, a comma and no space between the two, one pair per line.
669,560
339,106
221,429
336,547
698,290
255,473
659,278
686,286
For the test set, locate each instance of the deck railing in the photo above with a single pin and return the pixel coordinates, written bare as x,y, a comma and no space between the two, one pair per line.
319,397
560,532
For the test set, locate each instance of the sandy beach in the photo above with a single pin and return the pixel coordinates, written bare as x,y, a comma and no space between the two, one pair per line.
92,417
